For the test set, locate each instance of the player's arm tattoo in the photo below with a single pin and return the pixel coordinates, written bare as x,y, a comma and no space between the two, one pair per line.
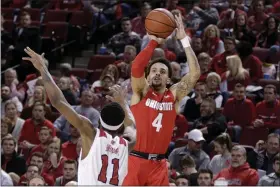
189,80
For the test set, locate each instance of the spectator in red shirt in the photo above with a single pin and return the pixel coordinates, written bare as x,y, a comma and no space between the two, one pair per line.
138,23
38,160
69,147
239,173
218,63
211,41
235,73
54,162
268,110
239,111
250,61
45,137
32,171
29,136
228,16
256,21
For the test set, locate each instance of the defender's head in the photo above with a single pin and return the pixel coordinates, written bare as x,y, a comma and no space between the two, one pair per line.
159,73
112,118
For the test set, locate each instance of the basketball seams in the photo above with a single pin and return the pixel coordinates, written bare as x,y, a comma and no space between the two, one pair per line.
160,22
164,12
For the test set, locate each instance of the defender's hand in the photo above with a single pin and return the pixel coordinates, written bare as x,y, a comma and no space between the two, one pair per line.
37,60
118,94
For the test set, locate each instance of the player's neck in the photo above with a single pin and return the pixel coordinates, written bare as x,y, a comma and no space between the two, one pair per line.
159,90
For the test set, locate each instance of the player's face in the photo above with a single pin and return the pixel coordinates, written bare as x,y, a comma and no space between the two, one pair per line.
158,76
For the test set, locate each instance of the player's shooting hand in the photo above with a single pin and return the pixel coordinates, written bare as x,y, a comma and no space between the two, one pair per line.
118,94
37,60
180,30
158,40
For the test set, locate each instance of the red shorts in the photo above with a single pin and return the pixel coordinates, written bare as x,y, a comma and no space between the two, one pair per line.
143,172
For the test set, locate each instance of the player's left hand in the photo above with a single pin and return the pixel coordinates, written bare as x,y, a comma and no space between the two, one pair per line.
118,94
180,30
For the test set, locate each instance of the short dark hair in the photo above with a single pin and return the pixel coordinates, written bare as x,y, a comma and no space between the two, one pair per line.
205,171
70,161
112,114
239,85
162,61
39,103
182,176
270,86
188,161
125,19
37,154
244,49
231,38
200,84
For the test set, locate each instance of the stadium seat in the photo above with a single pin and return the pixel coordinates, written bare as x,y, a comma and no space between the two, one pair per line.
265,56
59,30
81,18
80,72
264,82
252,136
8,13
56,16
97,63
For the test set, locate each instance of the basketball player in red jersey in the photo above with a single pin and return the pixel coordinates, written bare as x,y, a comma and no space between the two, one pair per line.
154,108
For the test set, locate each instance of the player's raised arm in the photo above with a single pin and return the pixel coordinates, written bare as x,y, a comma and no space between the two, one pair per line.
57,98
138,80
187,83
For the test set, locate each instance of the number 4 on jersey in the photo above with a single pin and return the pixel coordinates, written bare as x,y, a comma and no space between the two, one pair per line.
157,122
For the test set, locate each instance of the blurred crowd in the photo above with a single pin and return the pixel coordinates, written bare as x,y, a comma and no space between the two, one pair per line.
228,132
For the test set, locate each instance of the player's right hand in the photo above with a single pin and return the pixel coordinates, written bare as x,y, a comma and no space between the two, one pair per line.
37,60
158,40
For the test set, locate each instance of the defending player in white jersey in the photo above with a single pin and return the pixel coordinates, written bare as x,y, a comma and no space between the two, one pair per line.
104,154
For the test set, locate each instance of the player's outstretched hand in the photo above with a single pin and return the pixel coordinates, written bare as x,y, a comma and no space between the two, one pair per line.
180,30
118,94
158,40
37,60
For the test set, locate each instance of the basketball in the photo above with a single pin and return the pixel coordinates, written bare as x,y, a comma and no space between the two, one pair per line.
160,23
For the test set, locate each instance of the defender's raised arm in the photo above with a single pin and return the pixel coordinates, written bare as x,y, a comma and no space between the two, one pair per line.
56,97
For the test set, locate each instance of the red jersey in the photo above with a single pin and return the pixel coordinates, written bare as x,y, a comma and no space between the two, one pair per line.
155,118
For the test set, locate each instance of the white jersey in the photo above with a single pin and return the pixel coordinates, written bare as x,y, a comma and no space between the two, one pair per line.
106,162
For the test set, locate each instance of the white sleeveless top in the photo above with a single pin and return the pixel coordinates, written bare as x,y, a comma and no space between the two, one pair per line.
106,162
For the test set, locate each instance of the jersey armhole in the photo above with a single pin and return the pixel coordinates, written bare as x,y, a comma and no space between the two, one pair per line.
91,147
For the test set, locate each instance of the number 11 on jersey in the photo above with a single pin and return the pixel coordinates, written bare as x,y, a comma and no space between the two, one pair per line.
157,122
